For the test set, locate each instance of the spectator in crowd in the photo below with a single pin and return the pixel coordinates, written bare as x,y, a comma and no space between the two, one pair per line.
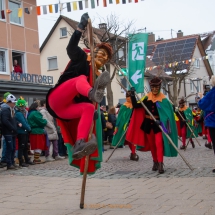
37,135
16,67
207,104
20,114
111,123
61,147
51,132
9,130
3,157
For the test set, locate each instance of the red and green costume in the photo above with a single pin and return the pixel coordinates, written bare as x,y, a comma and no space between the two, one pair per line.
143,131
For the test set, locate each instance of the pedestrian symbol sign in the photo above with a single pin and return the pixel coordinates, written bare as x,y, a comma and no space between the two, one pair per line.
138,51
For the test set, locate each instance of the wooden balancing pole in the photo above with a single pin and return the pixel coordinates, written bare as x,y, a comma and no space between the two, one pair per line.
91,43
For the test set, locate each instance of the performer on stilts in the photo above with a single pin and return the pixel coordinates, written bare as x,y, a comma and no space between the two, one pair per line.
122,123
71,100
145,133
183,129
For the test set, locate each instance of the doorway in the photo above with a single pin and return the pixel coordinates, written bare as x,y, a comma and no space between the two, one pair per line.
20,58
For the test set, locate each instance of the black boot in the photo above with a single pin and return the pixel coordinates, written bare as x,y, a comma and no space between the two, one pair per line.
208,145
160,168
192,143
81,148
155,166
97,92
134,157
182,147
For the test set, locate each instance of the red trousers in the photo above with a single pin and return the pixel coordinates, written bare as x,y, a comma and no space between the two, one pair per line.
208,135
131,146
156,145
61,100
184,135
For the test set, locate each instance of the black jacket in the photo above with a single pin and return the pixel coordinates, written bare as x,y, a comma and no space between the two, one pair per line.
147,123
112,119
76,67
9,124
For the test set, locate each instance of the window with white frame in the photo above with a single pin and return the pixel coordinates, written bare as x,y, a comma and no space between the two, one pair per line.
195,86
14,6
3,61
1,7
197,63
121,54
52,63
63,32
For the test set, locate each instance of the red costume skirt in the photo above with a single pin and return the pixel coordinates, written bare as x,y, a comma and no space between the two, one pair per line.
38,141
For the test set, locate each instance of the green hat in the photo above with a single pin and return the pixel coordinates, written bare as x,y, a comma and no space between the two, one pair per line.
6,94
21,102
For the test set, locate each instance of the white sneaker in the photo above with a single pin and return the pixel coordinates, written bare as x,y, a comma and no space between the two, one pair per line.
49,159
59,157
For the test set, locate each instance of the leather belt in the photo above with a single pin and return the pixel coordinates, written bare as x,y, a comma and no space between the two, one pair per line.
149,117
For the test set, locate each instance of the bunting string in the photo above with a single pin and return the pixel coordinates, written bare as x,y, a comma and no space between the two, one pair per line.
175,63
70,6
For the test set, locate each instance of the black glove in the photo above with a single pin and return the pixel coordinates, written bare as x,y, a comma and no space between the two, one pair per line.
84,21
95,116
158,122
132,91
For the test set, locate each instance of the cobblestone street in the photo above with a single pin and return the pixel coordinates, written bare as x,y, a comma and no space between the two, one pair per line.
121,186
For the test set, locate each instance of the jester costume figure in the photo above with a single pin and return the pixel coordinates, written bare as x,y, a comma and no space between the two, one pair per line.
183,129
71,101
122,123
144,132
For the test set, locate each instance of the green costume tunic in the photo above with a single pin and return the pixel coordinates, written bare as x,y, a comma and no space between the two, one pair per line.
121,124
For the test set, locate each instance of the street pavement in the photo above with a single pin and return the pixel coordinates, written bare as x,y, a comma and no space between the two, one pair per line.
120,187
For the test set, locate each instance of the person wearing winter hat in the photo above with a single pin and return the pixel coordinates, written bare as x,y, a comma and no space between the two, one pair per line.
9,129
22,131
144,132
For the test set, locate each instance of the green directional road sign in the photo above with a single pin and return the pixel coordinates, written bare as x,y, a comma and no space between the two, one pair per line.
137,50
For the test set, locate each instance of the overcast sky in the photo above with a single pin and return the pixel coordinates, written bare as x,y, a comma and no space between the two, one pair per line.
158,16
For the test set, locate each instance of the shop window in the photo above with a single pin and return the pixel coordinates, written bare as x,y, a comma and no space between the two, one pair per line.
3,61
14,6
63,32
52,63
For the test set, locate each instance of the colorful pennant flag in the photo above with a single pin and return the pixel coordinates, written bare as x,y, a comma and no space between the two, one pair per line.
8,11
38,10
136,1
105,3
86,4
27,10
117,1
68,5
50,8
97,2
110,1
75,7
124,1
80,4
56,8
92,4
2,14
19,12
31,8
44,9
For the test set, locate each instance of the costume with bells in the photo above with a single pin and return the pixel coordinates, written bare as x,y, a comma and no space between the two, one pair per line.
122,123
144,132
183,129
70,101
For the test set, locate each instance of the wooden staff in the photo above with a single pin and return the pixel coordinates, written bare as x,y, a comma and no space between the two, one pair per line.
91,43
116,145
189,127
147,110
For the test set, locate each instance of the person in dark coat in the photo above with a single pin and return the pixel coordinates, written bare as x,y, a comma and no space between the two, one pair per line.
207,104
112,120
9,130
22,133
